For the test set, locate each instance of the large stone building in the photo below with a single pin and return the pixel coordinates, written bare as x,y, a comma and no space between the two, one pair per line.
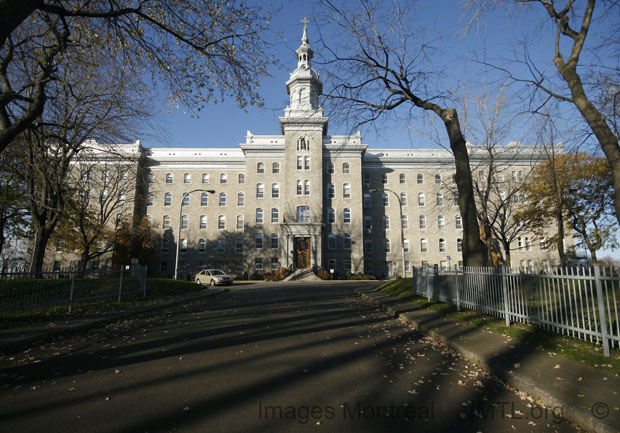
305,198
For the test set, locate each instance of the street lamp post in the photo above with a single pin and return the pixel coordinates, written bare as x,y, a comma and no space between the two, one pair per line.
402,230
176,261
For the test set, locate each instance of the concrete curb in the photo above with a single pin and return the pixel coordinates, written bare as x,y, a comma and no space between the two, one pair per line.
12,346
449,332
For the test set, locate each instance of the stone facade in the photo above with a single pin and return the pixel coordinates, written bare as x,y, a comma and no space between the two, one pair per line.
305,198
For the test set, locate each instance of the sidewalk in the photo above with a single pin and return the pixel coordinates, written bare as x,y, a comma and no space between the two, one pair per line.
585,395
12,339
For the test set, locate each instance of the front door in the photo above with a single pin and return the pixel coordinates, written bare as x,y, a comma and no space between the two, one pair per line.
302,251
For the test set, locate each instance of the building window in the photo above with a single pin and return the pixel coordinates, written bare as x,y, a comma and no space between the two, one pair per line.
331,191
221,222
386,222
299,187
185,200
346,241
441,223
306,163
347,264
330,168
420,179
459,245
438,178
387,246
239,222
274,241
275,168
205,177
168,199
122,197
149,199
402,179
331,216
306,187
455,199
403,198
259,215
368,246
183,245
184,222
346,215
385,199
423,245
202,245
258,241
406,245
260,190
346,190
275,264
368,222
500,177
331,241
520,243
368,267
528,244
169,178
223,178
303,214
367,179
222,201
384,178
442,245
421,199
275,215
439,199
300,162
331,264
187,178
204,199
164,245
239,246
241,178
345,168
367,200
258,264
203,222
219,245
260,168
458,222
240,199
165,224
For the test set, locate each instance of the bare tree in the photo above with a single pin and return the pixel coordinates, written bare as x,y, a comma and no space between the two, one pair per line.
202,50
586,59
102,185
381,67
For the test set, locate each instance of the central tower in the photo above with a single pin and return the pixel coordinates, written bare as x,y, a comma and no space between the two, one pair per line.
304,126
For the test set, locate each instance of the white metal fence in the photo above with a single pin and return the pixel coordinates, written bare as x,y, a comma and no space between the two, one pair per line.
24,290
577,302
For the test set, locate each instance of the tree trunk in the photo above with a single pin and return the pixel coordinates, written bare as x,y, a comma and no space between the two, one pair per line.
560,241
474,250
507,255
38,250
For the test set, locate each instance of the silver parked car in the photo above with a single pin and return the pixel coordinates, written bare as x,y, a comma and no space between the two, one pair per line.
213,277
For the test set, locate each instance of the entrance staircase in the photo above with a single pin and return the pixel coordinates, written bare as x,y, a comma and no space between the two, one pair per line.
302,274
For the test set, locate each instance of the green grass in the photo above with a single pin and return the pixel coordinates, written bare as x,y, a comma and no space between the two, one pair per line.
156,288
571,348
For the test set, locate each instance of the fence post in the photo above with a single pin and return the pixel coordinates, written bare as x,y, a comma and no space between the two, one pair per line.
504,277
456,287
71,293
428,286
414,275
601,310
120,285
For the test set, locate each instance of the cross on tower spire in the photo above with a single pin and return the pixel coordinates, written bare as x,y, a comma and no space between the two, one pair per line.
304,37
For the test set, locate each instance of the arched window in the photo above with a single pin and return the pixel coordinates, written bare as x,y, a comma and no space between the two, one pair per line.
346,190
241,178
438,178
240,199
221,222
203,222
423,245
403,198
346,215
275,215
331,216
260,168
259,215
442,245
222,201
260,190
439,199
275,190
421,199
422,221
441,223
345,168
401,178
275,168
